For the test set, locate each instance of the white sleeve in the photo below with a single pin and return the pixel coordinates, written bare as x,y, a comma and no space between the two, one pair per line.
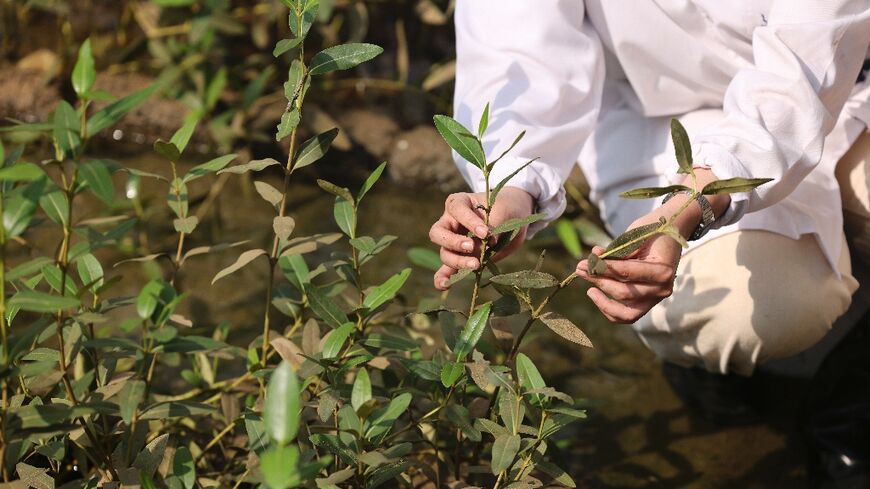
778,111
540,67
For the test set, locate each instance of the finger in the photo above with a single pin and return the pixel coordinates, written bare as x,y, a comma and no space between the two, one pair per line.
615,311
443,234
462,208
598,250
458,261
627,292
442,275
639,271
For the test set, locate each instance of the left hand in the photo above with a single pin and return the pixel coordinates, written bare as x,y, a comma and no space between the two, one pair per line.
630,287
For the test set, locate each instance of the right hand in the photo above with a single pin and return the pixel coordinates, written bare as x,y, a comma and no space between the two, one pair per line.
461,215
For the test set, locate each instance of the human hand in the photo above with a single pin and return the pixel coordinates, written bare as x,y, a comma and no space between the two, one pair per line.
630,287
462,213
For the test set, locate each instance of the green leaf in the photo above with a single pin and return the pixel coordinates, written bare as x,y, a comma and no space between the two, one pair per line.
526,279
96,174
458,277
175,409
461,140
253,165
90,270
209,167
383,419
186,225
113,112
567,234
289,121
371,180
19,207
296,81
66,128
335,190
450,373
302,16
282,406
285,45
167,150
425,258
31,300
183,467
504,449
484,122
565,328
472,332
56,206
342,57
508,150
21,172
183,134
387,290
324,307
516,223
129,399
84,73
336,340
529,376
279,466
494,193
215,87
149,298
459,416
362,389
255,428
682,147
345,216
650,192
733,185
314,149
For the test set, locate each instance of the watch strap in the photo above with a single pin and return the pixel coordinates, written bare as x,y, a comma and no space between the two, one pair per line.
708,218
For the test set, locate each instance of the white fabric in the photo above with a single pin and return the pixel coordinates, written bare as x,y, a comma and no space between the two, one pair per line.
766,88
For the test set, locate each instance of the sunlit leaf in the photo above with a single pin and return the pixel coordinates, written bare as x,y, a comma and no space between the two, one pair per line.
183,134
529,376
241,261
289,121
383,419
342,57
362,389
66,128
336,340
31,300
371,180
253,165
472,332
682,147
269,193
285,45
209,167
565,328
22,172
567,234
56,206
461,140
183,467
314,149
279,466
526,279
84,73
186,225
733,185
387,290
484,122
282,406
345,216
450,373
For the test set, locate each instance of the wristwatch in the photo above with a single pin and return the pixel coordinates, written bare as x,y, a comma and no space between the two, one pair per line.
707,216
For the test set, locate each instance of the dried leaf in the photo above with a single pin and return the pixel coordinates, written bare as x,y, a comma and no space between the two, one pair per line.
526,279
565,328
650,192
733,185
241,261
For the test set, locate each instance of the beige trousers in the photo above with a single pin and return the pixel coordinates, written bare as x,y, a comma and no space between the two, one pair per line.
752,296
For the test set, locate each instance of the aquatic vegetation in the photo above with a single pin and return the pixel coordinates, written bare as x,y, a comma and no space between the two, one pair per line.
339,388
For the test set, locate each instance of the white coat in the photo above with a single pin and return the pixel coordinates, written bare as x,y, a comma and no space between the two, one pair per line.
765,88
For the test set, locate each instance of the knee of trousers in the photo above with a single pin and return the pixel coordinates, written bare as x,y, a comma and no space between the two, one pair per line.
749,297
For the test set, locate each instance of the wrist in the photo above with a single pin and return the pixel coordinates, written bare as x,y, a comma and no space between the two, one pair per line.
519,198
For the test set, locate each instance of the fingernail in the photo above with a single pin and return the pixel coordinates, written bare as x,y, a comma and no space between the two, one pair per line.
481,231
471,264
444,284
467,246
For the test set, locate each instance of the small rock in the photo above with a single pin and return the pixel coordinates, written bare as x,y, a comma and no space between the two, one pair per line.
373,130
420,157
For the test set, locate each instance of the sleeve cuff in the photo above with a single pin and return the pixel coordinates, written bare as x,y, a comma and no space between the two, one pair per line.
538,179
724,165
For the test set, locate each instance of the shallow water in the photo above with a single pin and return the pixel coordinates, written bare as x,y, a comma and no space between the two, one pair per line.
639,434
